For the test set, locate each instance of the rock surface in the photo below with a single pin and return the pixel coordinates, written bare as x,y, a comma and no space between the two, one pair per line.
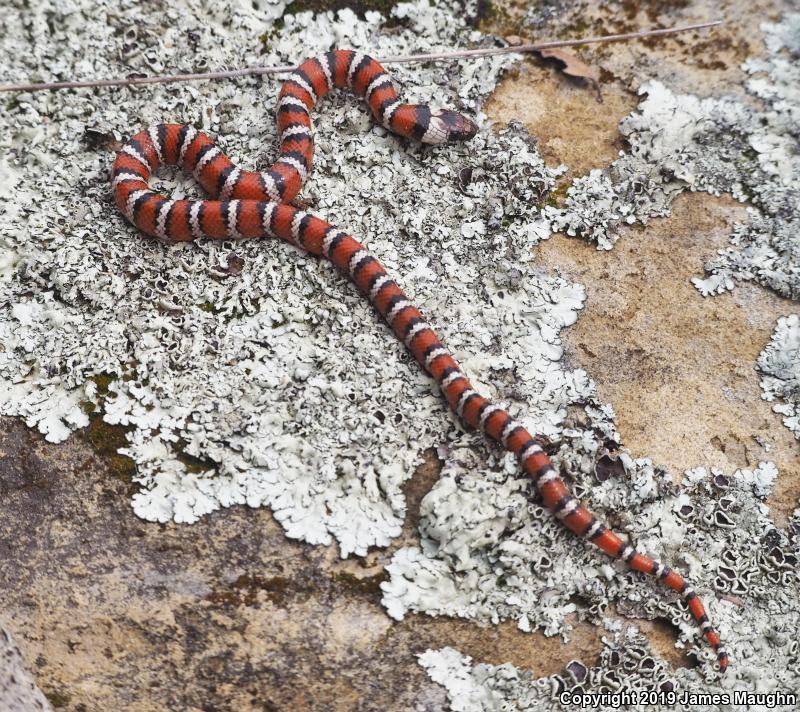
18,691
111,612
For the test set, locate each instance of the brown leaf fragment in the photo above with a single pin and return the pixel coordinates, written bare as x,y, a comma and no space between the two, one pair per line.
97,139
235,264
733,599
607,467
573,66
302,203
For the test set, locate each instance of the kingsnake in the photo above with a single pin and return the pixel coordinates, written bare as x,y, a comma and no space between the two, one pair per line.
253,204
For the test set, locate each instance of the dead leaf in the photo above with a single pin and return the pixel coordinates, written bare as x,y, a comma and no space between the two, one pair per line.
733,599
464,178
302,203
99,140
235,263
607,467
574,66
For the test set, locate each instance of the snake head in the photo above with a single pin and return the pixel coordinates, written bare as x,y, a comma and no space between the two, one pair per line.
447,126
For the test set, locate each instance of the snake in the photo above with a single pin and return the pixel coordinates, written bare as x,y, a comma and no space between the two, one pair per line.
255,204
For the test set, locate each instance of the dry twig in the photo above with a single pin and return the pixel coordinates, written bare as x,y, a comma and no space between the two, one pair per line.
434,56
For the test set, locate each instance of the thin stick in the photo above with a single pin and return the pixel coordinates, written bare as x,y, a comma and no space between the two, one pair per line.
170,78
549,45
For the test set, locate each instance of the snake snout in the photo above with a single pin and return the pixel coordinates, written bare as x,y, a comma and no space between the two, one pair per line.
445,126
459,127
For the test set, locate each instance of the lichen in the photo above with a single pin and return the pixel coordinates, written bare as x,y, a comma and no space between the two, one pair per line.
745,567
780,364
276,386
629,676
748,147
18,691
488,553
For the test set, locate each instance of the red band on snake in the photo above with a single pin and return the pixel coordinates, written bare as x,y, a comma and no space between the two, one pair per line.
252,204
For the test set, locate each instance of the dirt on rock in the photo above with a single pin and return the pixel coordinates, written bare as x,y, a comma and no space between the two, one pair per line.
679,368
112,612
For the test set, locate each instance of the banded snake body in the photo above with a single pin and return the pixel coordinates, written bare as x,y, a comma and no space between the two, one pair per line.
251,204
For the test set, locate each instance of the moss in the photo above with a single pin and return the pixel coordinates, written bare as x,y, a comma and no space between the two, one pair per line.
57,698
488,11
245,591
361,585
579,26
106,439
252,589
499,18
192,463
103,382
558,195
652,8
717,65
705,52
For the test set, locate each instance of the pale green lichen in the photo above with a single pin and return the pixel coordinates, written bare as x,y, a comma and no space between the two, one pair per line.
780,364
279,388
488,554
679,142
18,691
746,567
628,677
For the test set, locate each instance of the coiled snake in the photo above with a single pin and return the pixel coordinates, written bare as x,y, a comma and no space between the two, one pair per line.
253,204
